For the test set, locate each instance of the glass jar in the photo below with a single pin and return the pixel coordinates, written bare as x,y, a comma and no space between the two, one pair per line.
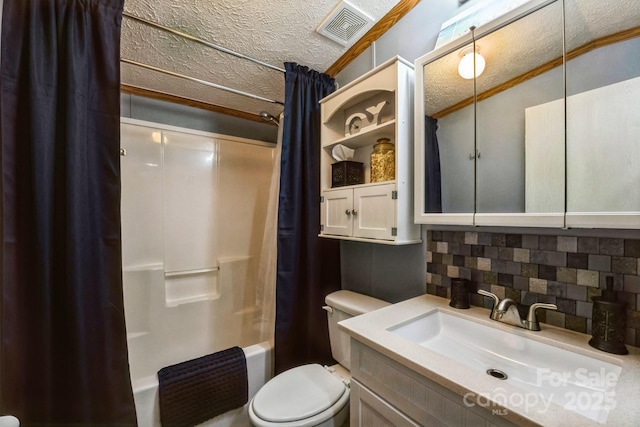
383,161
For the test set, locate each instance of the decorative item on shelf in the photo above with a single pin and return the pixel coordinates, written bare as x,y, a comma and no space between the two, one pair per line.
347,172
383,161
359,120
354,123
609,322
460,293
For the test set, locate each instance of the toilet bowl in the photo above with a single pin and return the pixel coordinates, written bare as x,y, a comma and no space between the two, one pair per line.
9,421
308,395
314,395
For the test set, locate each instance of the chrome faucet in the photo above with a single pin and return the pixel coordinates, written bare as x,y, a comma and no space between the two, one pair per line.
506,311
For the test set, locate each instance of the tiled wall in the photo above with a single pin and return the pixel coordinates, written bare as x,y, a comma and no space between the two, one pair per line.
565,270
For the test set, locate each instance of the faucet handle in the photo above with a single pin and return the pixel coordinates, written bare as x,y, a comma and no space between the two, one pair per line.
532,320
496,300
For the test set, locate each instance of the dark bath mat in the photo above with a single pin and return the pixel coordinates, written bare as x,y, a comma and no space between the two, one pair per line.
194,391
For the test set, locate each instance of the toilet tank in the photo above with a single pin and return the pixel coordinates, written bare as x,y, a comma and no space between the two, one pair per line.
344,305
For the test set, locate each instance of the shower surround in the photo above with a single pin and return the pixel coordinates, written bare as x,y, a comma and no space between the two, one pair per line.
193,218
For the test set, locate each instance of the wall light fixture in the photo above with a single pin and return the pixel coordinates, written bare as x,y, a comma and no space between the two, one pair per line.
466,65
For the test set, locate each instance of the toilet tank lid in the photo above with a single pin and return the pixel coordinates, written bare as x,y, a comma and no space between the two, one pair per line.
353,303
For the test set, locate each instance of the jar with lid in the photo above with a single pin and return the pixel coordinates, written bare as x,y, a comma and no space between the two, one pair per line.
383,161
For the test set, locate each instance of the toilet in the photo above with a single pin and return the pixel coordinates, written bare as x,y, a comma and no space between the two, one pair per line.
313,395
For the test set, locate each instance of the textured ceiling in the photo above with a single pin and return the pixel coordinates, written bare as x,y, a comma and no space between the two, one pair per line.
274,31
526,44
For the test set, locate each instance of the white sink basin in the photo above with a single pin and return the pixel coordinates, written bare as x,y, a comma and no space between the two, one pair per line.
579,383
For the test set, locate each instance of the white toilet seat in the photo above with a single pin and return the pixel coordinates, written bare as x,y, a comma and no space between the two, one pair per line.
304,396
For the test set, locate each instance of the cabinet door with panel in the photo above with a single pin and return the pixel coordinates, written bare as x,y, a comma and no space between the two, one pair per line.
374,213
367,212
336,212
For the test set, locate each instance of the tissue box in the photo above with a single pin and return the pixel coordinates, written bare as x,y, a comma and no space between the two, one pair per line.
347,172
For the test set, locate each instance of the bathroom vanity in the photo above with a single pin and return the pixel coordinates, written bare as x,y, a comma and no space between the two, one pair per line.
385,392
421,362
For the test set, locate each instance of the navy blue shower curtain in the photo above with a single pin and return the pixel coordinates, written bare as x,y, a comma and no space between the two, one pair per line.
64,352
308,266
432,184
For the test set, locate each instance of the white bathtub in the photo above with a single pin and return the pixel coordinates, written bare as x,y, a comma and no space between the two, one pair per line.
259,370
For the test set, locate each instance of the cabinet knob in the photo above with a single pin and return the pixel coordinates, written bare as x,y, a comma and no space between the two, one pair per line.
348,212
354,212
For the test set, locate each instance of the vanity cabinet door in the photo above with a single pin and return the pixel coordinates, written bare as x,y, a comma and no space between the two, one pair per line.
603,114
367,409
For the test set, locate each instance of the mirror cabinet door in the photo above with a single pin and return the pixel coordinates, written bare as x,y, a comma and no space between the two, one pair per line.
448,137
603,113
520,122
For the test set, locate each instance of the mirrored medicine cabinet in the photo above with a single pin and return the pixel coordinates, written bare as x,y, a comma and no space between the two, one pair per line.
547,134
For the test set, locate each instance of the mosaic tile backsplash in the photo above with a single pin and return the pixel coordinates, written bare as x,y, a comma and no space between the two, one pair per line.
563,270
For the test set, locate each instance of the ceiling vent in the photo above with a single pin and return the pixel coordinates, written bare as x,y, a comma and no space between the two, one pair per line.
345,24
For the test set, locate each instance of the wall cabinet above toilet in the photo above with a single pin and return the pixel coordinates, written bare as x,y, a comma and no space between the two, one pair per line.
377,105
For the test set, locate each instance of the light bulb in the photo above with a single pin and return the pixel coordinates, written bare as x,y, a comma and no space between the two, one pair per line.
465,68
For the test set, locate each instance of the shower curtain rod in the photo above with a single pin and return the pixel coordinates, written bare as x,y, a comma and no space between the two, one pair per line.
204,82
204,42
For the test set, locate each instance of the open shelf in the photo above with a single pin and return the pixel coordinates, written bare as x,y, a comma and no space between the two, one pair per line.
366,136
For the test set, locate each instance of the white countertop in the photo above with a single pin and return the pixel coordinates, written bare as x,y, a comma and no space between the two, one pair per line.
371,329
